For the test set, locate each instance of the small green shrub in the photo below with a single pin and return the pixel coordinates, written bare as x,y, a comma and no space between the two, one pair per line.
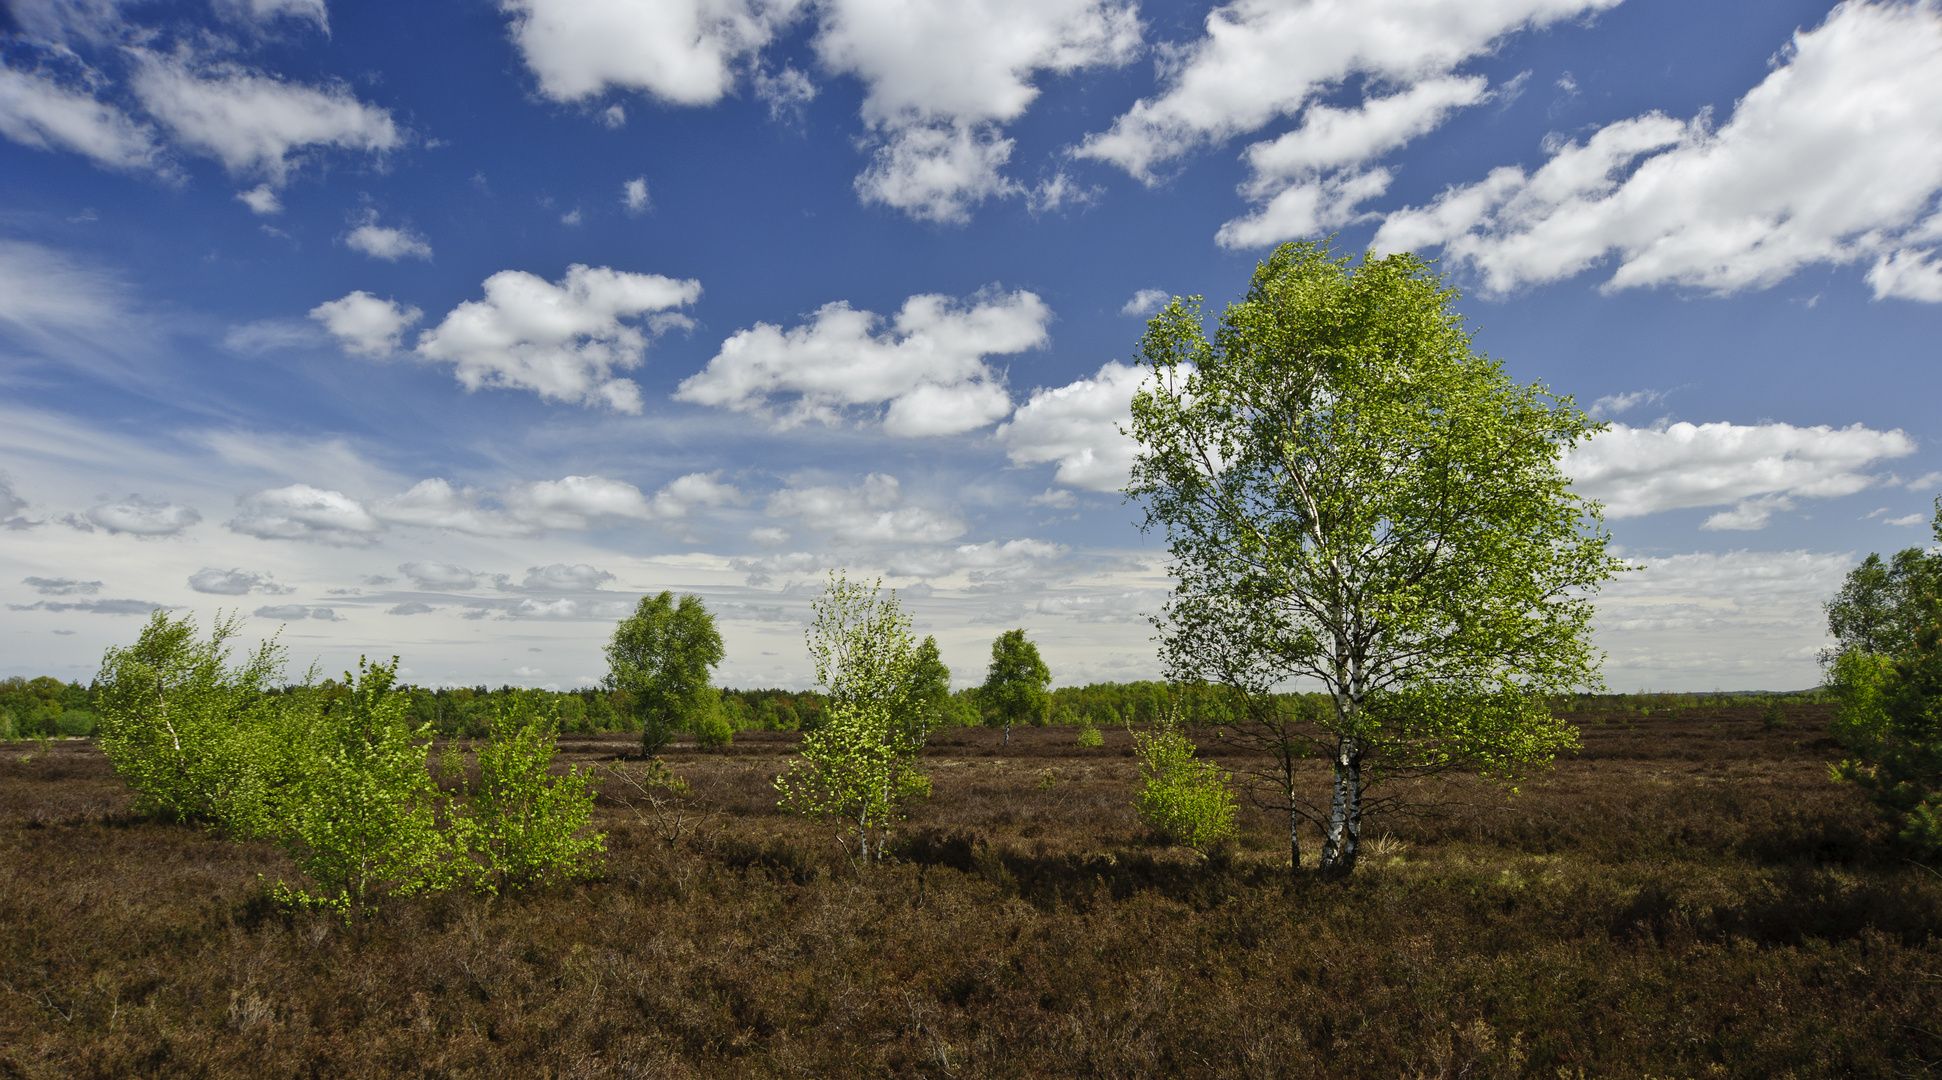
1090,736
1183,798
712,730
524,822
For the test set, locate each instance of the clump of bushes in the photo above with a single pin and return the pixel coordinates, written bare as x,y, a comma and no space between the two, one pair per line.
1181,797
1089,736
340,781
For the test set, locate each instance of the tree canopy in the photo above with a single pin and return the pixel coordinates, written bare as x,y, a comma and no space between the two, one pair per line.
662,655
1014,685
1353,497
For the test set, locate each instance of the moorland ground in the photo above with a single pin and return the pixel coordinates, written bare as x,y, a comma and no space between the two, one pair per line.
1688,896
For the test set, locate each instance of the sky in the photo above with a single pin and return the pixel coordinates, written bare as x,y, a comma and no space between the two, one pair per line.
449,330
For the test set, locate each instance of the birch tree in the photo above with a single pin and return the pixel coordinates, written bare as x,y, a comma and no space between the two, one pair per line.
1355,499
859,766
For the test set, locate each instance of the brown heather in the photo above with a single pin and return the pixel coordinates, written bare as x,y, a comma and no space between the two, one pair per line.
1687,897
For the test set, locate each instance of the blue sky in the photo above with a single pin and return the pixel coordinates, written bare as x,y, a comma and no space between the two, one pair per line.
450,329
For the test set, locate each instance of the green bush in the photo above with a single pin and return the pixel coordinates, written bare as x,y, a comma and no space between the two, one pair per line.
1090,736
712,729
524,822
1183,798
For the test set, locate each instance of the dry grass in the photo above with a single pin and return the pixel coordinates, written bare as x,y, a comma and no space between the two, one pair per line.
1689,897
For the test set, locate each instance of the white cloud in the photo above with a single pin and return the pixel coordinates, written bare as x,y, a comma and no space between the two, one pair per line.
1908,274
866,514
927,368
938,172
138,516
263,11
1078,426
990,561
439,576
261,199
1305,207
561,341
1925,481
942,75
45,294
769,536
36,111
269,335
1907,520
788,92
572,503
559,577
1834,157
633,195
1636,471
234,582
302,512
1133,606
253,123
1262,60
1146,302
1614,404
614,116
365,325
684,52
410,607
383,242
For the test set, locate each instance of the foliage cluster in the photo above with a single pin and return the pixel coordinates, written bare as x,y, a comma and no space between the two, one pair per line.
859,767
1181,796
340,781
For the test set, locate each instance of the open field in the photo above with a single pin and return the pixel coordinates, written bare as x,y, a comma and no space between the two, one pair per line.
1687,897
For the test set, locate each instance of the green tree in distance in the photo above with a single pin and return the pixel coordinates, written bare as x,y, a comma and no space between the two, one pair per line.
1886,673
1014,684
1353,497
1881,604
662,656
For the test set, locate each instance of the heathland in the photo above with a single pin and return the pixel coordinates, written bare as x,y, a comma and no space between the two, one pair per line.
1688,895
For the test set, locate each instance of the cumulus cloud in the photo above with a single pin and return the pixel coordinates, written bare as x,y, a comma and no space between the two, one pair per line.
561,341
384,242
942,76
1132,606
1836,156
234,582
1078,425
1311,179
991,561
365,325
38,111
302,512
683,52
253,123
1761,467
410,607
61,586
574,502
633,196
1261,61
137,516
926,369
261,199
439,576
868,513
1146,302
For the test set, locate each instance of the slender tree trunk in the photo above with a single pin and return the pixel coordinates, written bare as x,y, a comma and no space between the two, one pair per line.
1344,841
1294,838
1008,733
